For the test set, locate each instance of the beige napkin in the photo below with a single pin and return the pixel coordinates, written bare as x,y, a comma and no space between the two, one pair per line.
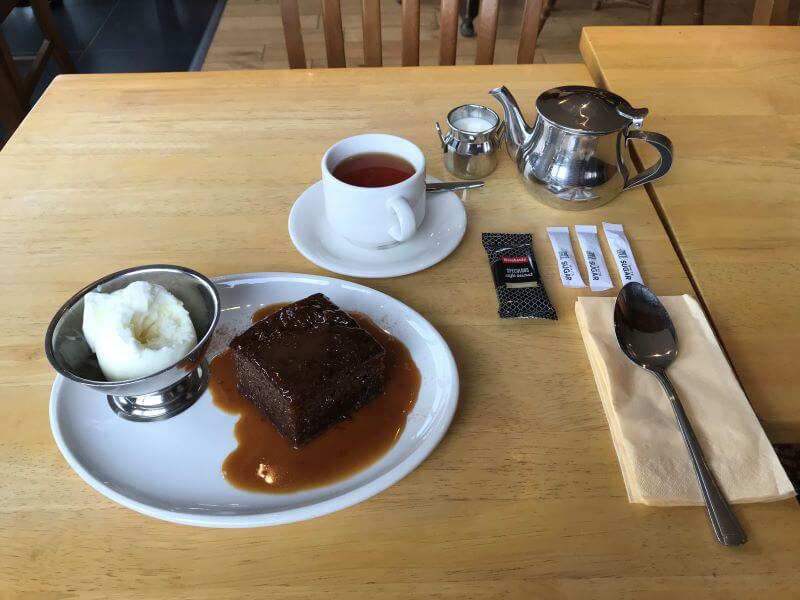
654,460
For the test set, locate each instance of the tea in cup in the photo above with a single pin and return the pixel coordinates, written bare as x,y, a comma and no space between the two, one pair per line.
374,187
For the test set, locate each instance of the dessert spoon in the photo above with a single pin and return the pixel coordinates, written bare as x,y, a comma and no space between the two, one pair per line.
647,337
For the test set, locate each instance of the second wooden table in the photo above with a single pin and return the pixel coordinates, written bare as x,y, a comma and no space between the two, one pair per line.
729,97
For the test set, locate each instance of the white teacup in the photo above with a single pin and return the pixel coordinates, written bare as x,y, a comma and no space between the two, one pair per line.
374,217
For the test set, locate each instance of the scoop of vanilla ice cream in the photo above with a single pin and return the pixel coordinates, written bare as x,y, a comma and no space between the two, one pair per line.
137,331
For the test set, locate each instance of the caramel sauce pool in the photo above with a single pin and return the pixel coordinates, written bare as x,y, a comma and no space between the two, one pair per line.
265,461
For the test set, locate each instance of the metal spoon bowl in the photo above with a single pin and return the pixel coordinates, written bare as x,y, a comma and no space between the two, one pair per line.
647,336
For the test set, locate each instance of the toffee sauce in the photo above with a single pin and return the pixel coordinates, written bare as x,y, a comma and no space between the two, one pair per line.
264,461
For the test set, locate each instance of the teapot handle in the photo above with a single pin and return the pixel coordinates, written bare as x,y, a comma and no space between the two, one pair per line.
663,145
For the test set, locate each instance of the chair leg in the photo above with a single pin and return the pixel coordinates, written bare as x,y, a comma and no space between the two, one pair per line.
656,12
9,69
771,12
44,16
699,10
11,111
546,10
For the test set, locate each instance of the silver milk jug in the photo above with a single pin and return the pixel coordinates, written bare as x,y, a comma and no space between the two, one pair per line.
470,145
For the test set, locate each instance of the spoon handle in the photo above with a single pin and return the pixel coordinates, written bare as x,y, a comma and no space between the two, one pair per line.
726,526
452,186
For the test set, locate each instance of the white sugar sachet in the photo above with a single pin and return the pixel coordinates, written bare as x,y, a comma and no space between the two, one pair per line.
623,255
596,270
567,267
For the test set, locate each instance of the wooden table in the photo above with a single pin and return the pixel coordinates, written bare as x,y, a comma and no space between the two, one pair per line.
729,98
523,497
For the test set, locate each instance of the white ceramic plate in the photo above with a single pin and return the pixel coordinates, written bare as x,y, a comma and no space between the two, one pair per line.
440,233
171,469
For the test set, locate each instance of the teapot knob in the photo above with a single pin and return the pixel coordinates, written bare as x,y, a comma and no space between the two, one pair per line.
636,115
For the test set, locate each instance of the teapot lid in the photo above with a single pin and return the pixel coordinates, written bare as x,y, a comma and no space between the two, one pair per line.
585,109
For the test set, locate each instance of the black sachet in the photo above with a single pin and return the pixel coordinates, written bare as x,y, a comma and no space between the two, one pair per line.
520,290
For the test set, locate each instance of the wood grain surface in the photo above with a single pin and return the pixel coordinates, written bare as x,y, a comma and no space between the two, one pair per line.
522,499
334,35
729,98
486,31
410,29
371,29
293,34
448,31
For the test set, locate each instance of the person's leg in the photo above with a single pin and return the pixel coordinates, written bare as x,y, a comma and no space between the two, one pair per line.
469,11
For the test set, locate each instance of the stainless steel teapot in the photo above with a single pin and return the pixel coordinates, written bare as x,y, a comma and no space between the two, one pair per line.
576,155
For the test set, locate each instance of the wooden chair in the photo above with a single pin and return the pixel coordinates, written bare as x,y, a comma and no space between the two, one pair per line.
657,12
765,12
771,12
656,8
11,110
371,26
15,90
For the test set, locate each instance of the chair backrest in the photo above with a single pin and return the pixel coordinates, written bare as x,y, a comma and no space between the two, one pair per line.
12,103
52,45
6,6
371,28
12,110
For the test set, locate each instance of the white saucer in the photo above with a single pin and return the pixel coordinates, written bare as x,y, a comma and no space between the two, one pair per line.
440,233
170,469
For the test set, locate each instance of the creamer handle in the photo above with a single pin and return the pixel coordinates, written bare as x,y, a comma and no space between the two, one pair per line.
441,137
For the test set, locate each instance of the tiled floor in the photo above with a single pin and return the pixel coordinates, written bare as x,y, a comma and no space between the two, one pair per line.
115,36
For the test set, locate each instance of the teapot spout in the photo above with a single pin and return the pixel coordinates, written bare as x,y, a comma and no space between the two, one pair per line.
518,133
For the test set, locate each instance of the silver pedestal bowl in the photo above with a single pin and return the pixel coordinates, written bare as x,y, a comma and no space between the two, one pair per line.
158,396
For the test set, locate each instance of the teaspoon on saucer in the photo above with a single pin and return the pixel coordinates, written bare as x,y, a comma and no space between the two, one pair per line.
452,186
647,337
